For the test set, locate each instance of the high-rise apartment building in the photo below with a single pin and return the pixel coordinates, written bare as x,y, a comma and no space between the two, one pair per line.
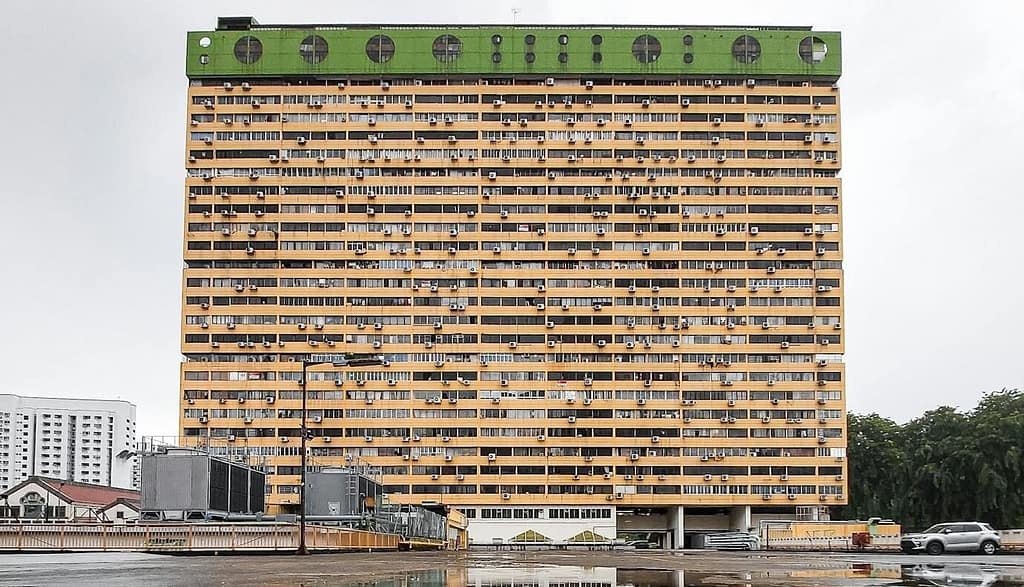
84,440
604,265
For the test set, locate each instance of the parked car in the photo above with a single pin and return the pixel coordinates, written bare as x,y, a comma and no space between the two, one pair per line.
953,537
640,544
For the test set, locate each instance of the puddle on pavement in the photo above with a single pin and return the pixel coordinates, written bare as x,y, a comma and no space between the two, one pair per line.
892,575
966,575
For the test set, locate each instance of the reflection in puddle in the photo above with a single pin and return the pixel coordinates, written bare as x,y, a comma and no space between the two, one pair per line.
431,578
575,576
972,575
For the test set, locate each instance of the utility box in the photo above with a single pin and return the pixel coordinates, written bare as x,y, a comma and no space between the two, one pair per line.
341,493
184,484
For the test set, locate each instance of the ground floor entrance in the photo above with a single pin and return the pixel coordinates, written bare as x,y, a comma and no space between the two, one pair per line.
664,527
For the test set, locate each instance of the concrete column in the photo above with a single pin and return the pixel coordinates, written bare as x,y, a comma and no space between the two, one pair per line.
739,518
676,521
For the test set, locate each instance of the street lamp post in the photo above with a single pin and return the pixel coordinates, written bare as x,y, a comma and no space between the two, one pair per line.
348,361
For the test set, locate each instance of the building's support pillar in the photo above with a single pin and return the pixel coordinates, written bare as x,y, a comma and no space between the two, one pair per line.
739,518
676,527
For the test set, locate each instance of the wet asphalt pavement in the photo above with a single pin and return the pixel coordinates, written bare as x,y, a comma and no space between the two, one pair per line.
519,569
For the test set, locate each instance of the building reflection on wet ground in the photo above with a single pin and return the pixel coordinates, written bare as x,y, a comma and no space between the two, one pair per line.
616,568
570,576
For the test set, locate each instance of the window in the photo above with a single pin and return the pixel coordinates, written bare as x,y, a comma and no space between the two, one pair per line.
646,49
813,50
746,49
380,49
248,50
447,48
313,49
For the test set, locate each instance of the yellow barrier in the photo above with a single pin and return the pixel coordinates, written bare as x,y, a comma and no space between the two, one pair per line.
819,530
204,537
786,535
458,530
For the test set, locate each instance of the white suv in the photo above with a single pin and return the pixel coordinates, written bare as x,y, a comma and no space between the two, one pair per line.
953,537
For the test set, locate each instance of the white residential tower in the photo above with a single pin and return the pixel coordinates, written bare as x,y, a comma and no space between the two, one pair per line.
84,440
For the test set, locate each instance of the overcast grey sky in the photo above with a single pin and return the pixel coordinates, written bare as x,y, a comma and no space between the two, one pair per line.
92,161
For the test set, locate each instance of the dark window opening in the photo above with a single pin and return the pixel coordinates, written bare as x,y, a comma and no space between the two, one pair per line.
447,48
646,49
313,49
248,50
746,49
813,50
380,49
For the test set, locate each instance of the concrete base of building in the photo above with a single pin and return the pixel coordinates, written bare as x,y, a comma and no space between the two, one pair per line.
657,527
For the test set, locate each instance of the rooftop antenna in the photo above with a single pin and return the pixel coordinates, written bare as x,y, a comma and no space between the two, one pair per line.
515,13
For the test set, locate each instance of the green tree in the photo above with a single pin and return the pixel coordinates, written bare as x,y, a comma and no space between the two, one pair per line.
943,465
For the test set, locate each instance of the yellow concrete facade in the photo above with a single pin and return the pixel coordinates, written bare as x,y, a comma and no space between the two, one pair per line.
621,294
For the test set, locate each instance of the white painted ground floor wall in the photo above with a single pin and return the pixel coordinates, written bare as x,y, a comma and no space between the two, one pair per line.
673,524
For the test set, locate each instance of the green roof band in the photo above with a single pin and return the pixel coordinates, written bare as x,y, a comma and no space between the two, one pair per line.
325,50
